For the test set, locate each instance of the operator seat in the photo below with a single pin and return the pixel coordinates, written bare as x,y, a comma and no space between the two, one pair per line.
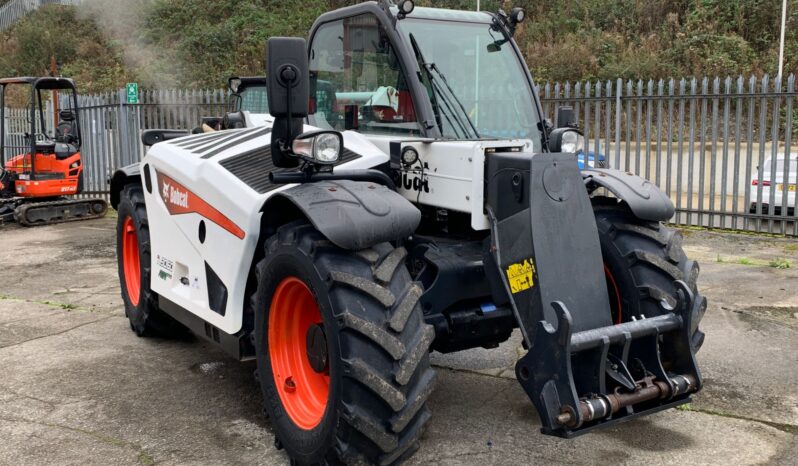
67,129
66,135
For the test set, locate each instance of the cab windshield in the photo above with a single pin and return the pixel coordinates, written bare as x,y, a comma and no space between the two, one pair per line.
254,99
475,64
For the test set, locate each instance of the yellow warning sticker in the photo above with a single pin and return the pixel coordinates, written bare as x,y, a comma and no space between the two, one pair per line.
520,276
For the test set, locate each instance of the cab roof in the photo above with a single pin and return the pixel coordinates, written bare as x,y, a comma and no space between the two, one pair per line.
45,82
449,15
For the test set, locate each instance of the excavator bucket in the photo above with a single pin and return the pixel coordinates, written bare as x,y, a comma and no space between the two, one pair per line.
582,371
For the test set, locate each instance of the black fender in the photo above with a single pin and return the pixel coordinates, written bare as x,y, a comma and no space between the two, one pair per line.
121,177
353,215
644,198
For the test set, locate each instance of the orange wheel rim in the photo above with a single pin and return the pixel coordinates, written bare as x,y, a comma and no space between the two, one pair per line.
303,392
131,264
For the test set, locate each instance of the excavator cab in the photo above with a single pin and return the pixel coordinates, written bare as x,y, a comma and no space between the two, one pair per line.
41,160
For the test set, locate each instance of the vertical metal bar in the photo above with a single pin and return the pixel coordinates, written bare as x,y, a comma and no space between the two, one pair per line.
597,126
181,109
749,152
618,112
702,150
774,150
714,150
639,129
546,99
691,151
158,98
627,165
763,111
557,100
586,119
99,136
739,102
658,171
99,163
727,88
649,102
788,164
607,116
173,109
669,134
680,158
119,124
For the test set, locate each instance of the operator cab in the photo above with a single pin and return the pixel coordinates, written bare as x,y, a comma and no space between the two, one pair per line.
35,133
421,72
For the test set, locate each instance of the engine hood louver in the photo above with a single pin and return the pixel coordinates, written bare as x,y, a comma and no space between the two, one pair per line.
253,167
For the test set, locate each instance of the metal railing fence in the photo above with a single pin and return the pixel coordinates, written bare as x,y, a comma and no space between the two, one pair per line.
15,10
706,142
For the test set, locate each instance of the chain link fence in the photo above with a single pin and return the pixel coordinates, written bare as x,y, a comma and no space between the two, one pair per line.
722,149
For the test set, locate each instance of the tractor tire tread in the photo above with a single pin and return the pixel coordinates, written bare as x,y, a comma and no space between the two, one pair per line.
384,340
654,256
151,321
378,335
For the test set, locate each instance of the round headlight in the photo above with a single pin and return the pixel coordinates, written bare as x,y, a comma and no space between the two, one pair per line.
407,6
517,15
572,142
409,156
327,148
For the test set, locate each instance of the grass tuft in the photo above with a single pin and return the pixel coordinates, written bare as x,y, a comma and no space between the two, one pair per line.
780,263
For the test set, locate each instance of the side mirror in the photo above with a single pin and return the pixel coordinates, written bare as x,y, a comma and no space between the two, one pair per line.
289,94
566,118
569,140
289,79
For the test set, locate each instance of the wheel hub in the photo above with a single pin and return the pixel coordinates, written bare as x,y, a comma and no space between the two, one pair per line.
298,353
316,342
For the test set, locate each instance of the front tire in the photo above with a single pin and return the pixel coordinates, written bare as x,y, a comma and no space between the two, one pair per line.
134,267
642,261
365,388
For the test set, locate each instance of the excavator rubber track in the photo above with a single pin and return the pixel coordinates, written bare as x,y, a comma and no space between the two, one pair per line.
60,211
7,208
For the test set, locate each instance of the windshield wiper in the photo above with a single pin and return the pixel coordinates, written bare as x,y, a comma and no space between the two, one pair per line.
437,91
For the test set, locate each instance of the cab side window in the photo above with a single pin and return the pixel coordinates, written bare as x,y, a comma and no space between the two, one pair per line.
356,80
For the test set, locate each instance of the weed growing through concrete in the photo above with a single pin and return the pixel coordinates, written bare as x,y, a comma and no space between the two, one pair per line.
779,263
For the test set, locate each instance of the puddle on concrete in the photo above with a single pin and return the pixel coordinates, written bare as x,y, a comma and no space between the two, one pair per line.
208,368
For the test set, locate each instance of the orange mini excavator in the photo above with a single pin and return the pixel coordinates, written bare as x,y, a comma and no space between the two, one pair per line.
39,170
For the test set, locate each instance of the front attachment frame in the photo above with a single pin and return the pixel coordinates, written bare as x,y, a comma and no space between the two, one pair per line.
560,361
581,371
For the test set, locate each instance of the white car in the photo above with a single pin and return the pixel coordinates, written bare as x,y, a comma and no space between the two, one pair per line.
781,185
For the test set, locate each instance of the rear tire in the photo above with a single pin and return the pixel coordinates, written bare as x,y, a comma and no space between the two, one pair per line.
642,260
134,267
377,345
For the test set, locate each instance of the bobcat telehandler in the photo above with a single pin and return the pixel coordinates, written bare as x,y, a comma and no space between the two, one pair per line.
406,195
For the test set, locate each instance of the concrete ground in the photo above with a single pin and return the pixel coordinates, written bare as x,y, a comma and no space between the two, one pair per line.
78,387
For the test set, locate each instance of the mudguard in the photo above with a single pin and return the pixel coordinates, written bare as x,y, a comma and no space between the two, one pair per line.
353,215
120,178
645,199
